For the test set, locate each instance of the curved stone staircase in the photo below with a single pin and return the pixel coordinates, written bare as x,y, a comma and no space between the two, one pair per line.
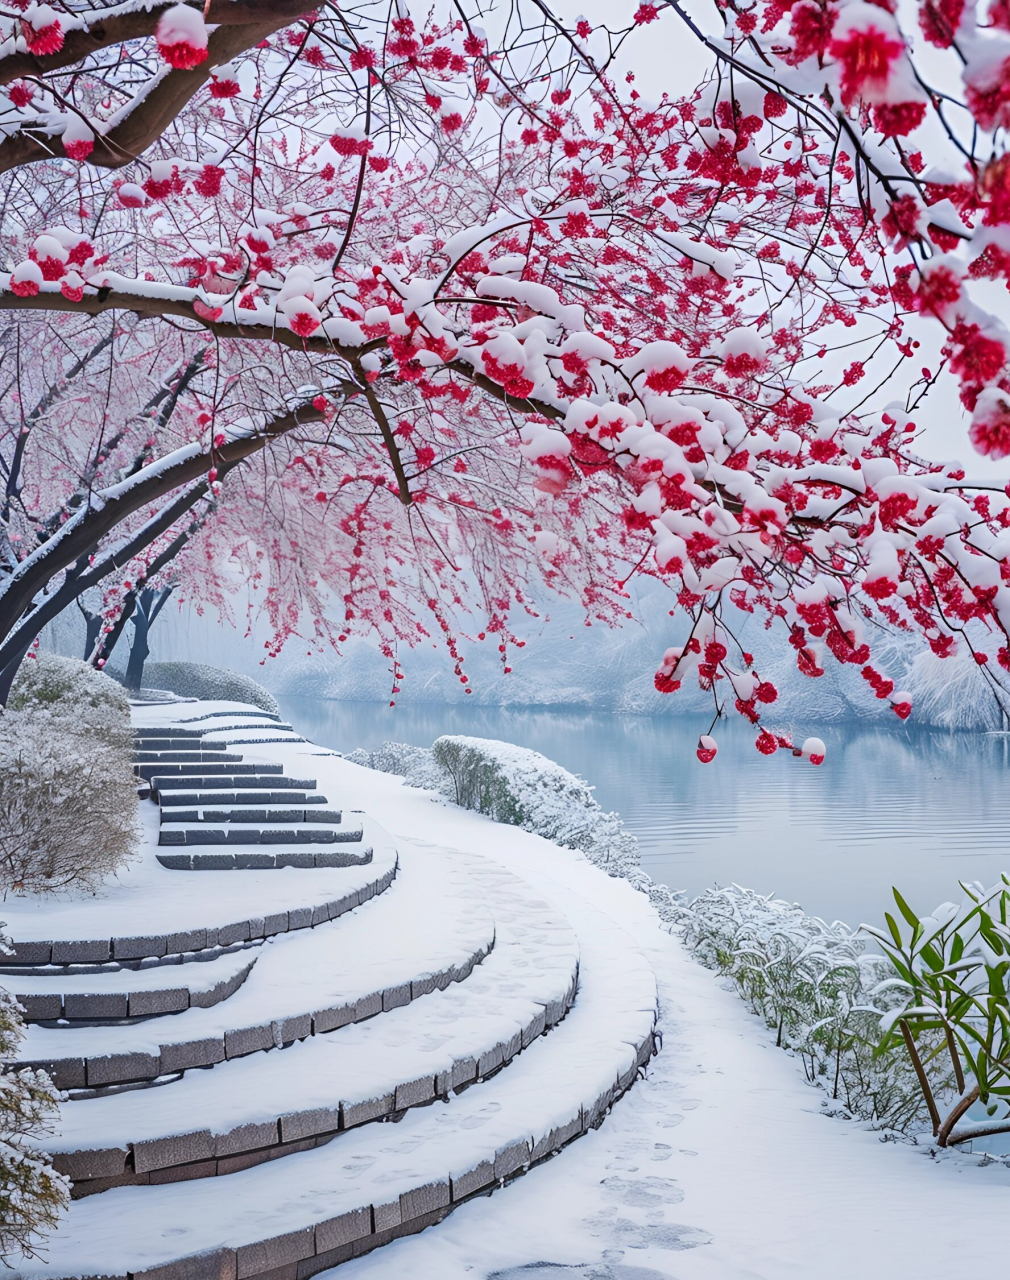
232,1079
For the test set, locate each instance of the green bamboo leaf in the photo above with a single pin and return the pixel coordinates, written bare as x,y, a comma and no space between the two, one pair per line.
910,916
892,925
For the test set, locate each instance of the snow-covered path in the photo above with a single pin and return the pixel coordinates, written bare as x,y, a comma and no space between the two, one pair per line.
719,1166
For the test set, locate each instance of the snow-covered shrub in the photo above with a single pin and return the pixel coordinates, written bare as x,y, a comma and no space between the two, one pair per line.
416,765
68,797
195,680
813,984
32,1193
524,789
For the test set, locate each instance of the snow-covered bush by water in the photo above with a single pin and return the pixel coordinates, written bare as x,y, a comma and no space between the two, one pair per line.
516,786
32,1193
195,680
68,797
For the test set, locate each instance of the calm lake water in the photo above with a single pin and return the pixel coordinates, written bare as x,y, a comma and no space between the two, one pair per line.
907,807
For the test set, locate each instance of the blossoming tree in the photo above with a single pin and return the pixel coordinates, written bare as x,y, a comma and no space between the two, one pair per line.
433,319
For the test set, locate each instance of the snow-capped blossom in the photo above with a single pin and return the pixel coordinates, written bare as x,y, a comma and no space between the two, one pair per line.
78,138
882,572
72,286
901,704
182,37
351,142
707,749
744,353
20,93
866,41
990,423
51,256
664,364
986,78
224,81
163,179
131,196
813,749
939,20
26,279
41,29
301,314
548,451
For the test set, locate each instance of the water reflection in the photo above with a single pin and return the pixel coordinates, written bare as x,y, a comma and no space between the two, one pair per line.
918,809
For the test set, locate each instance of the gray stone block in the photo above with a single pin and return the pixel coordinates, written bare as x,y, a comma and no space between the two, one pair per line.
295,1028
490,1061
324,1020
41,1008
277,835
192,1053
386,1217
138,948
467,1183
206,836
533,1030
65,1073
368,1007
396,997
168,1000
213,862
355,1113
79,1166
171,837
512,1047
229,933
30,953
292,859
256,923
176,861
182,1148
274,924
426,1199
247,1137
306,1124
248,1040
508,1159
343,1230
242,836
422,986
464,1071
349,835
84,951
221,1264
556,1139
258,1259
115,1068
254,861
415,1092
320,915
91,1005
177,943
300,918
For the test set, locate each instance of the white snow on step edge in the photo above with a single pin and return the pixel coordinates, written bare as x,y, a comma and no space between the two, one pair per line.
131,1228
197,976
533,963
146,898
421,925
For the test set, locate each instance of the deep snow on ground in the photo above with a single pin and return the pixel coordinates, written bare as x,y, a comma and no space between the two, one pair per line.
720,1165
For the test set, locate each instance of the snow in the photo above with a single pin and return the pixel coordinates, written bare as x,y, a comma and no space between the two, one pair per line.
719,1165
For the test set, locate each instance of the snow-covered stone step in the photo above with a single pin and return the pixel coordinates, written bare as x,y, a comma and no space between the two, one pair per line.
179,833
255,1109
265,859
172,915
430,929
235,713
256,779
212,768
131,993
160,746
263,813
313,1210
202,756
206,799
